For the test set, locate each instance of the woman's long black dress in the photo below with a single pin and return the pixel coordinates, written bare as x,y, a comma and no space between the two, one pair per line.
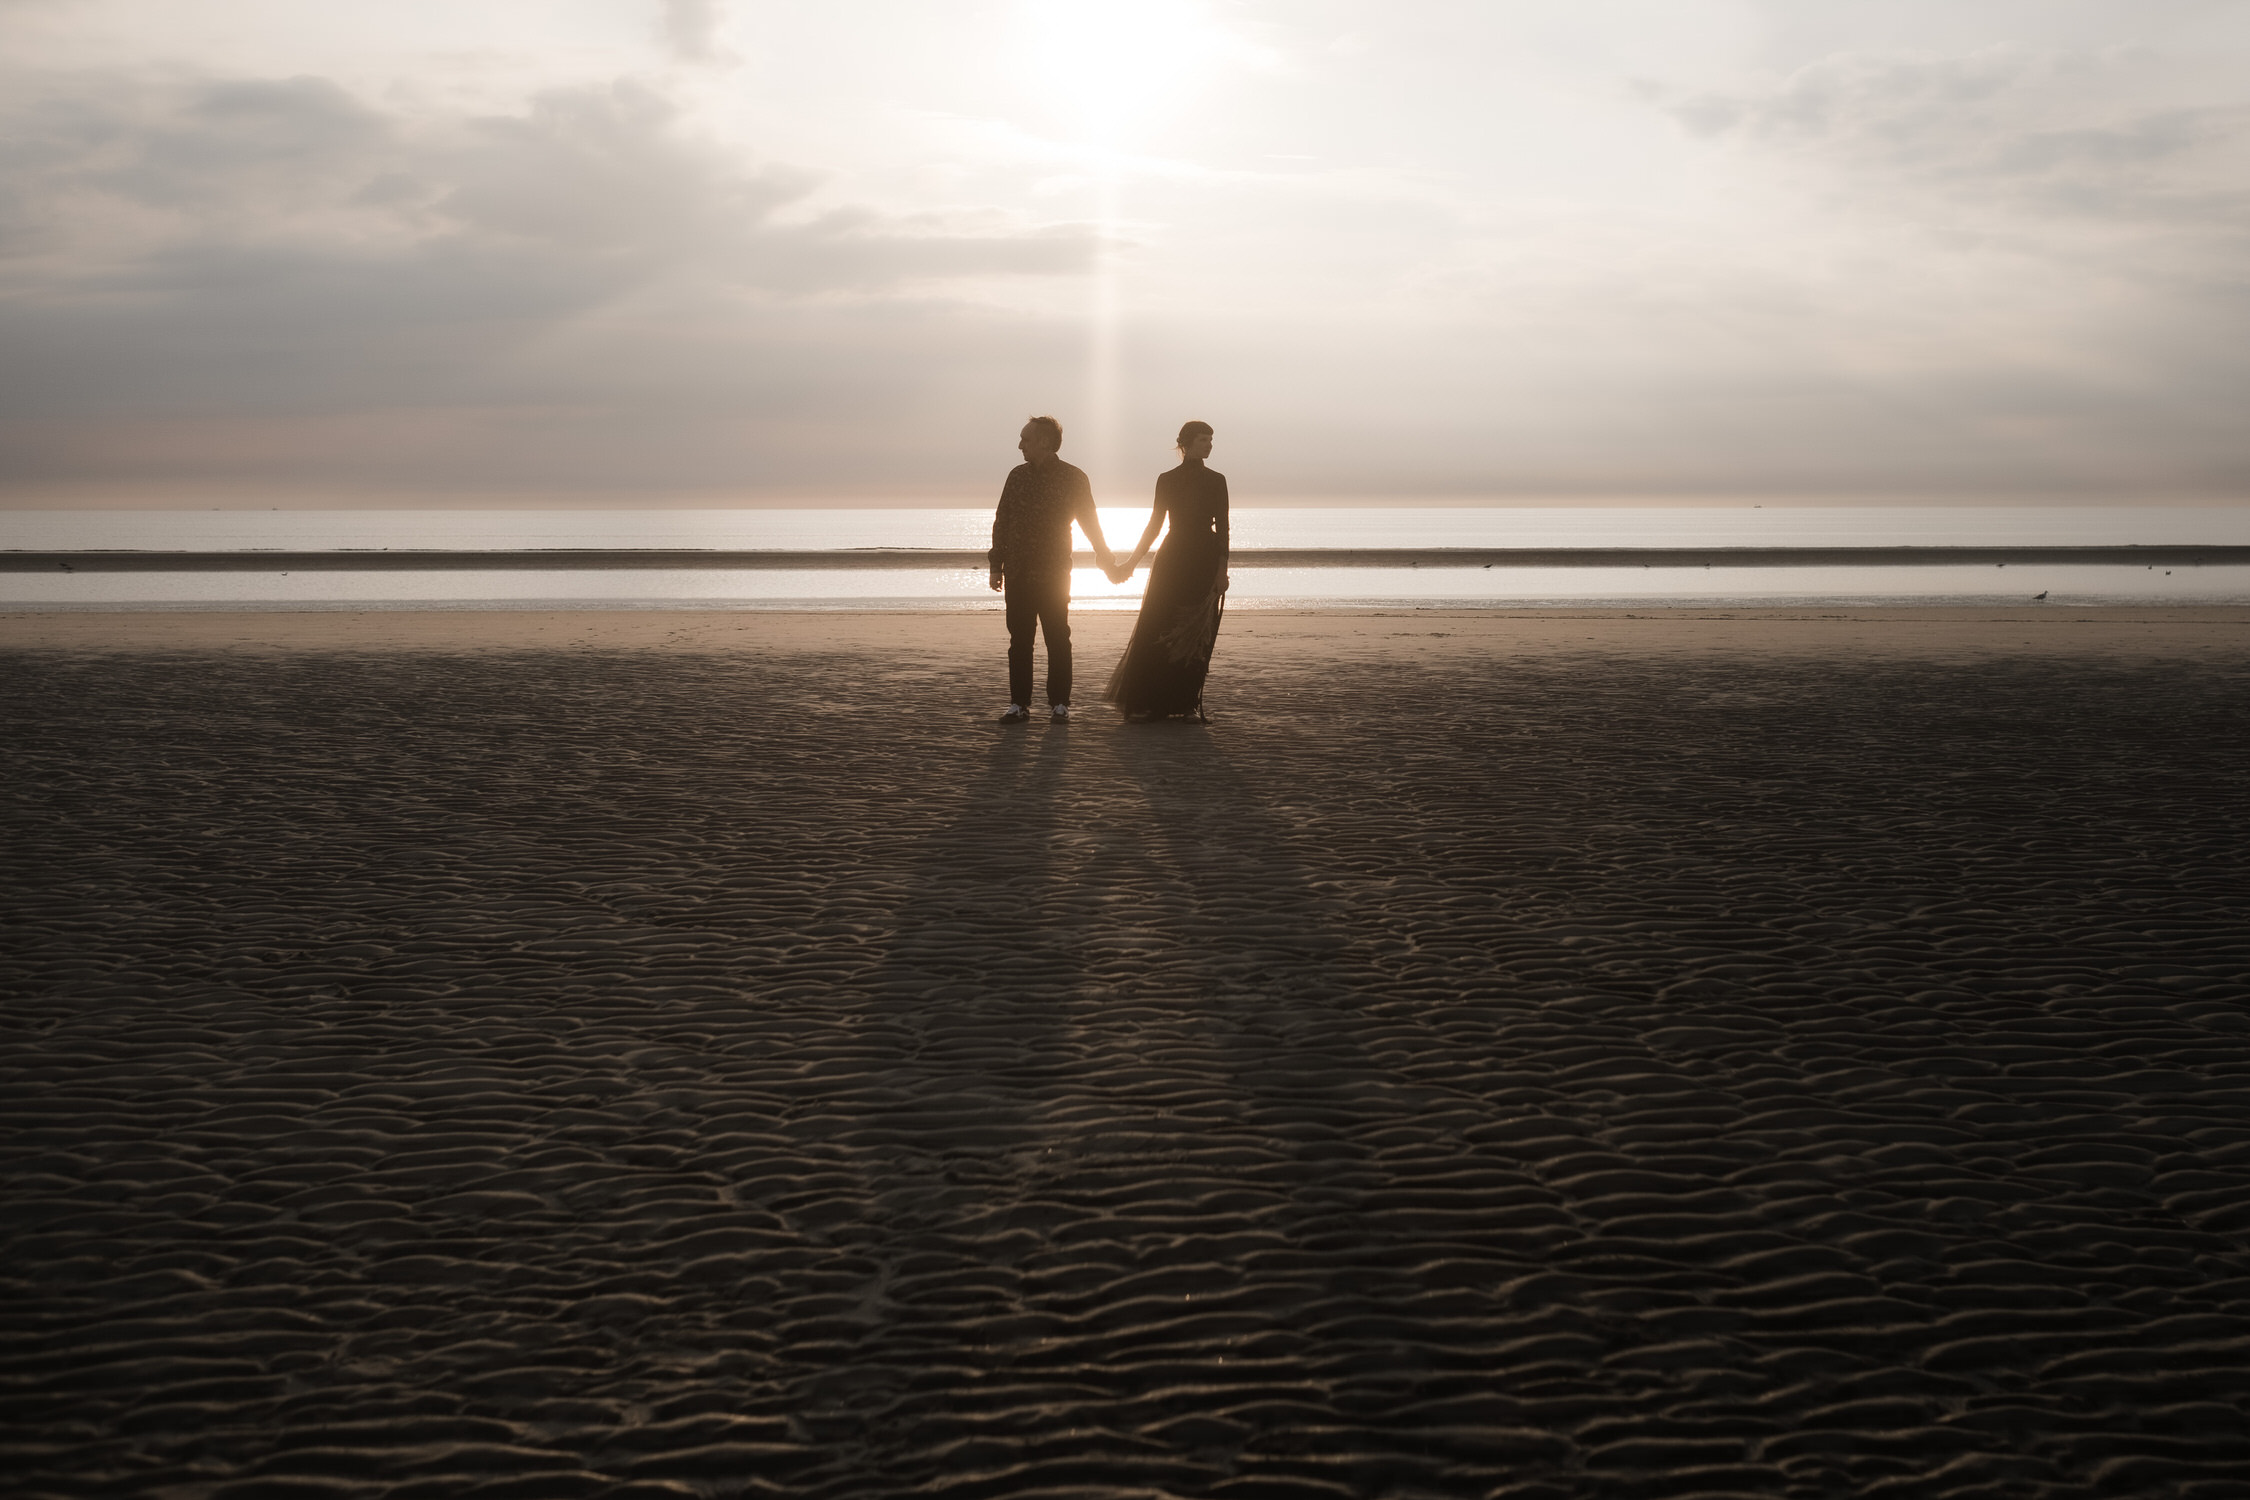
1162,671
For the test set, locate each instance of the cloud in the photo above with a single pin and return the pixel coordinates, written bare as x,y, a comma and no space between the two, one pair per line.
2044,134
537,251
105,176
691,29
245,254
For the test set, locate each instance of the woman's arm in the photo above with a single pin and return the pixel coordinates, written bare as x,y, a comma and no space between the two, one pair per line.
1155,525
1225,532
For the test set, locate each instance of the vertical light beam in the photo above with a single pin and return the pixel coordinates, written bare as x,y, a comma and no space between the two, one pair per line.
1104,374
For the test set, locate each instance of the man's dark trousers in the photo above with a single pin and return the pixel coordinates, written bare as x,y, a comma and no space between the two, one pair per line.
1038,604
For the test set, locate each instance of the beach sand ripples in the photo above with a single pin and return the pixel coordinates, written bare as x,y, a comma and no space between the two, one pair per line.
635,1074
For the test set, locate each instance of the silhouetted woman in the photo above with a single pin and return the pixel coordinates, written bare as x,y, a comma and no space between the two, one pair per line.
1161,674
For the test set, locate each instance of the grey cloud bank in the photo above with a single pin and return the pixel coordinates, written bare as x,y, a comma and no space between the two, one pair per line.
2012,269
270,283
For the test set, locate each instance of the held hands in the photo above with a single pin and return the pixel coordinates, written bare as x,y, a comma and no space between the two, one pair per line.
1119,572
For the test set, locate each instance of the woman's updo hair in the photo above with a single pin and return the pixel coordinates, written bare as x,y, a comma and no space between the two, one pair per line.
1189,432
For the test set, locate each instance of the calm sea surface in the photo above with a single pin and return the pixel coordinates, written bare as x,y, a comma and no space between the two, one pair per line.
928,588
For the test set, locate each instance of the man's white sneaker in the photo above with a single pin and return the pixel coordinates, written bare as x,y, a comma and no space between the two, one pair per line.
1016,714
1060,713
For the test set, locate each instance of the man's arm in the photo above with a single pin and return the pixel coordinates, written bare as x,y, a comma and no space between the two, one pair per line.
1003,526
1090,522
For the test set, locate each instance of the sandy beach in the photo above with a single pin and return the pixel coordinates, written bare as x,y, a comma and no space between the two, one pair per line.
637,1054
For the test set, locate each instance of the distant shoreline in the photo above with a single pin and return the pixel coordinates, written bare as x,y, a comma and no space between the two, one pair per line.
901,558
1253,640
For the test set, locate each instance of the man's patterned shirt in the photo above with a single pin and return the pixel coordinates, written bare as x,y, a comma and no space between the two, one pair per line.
1031,529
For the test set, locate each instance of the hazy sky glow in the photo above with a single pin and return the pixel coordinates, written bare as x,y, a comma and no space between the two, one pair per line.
665,251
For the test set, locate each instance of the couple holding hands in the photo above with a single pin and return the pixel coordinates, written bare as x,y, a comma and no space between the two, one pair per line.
1161,674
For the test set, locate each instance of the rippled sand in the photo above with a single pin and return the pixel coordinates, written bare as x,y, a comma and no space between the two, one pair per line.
705,1056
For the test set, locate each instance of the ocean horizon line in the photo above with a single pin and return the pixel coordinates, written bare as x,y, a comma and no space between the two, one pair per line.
358,559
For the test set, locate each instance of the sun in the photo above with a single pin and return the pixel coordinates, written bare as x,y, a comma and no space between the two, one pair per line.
1111,68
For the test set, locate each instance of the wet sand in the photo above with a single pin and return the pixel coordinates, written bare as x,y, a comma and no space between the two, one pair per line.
1754,1053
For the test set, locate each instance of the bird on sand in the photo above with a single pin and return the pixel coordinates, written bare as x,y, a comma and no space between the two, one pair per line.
2036,598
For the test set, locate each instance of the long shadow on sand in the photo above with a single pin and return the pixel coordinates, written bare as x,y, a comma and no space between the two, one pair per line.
573,1074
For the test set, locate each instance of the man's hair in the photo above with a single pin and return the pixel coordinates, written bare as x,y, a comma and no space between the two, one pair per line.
1053,427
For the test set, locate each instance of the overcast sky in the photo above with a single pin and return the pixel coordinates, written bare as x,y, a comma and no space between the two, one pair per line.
417,252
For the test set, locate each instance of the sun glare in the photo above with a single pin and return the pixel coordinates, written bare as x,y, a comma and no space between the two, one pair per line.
1111,72
1111,67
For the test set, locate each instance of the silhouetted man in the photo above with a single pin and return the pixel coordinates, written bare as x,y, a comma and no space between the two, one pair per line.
1031,561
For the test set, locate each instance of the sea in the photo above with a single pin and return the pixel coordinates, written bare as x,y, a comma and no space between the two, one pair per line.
1339,527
